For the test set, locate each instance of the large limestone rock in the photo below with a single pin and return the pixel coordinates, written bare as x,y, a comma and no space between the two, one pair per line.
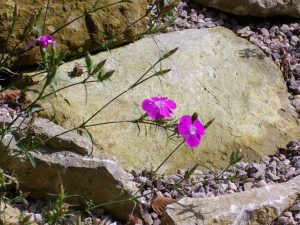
260,8
255,207
87,33
65,162
212,74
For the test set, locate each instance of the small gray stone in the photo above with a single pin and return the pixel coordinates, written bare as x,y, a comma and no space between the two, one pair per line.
157,222
261,183
232,186
287,214
297,172
241,165
290,173
148,219
248,186
266,159
285,28
272,176
265,32
198,195
297,165
295,208
154,215
147,193
38,217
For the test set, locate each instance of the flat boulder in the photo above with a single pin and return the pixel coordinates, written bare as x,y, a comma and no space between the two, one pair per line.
261,8
214,73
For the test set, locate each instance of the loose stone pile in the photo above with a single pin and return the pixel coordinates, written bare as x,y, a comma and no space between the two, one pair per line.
291,217
36,210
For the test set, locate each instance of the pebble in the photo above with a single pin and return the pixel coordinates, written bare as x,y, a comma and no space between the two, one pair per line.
38,217
287,214
295,208
261,183
157,222
148,219
248,186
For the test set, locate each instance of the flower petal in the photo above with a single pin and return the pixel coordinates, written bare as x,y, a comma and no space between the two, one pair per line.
149,107
165,112
170,104
192,140
184,125
159,98
200,128
147,104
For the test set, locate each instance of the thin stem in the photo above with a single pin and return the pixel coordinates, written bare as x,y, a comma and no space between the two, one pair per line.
68,86
168,157
122,93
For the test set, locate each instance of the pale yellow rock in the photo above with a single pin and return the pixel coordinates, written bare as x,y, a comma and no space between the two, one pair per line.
255,207
88,33
212,74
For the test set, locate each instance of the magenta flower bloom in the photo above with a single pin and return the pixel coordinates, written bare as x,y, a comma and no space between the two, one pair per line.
45,40
159,107
191,130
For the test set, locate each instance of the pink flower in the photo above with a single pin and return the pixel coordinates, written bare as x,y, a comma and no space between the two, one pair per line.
159,107
191,129
45,40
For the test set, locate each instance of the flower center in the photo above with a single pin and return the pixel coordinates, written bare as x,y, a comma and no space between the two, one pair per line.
193,129
159,104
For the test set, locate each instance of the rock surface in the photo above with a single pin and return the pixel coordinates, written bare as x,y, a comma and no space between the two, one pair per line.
258,206
212,74
257,7
8,214
87,33
100,180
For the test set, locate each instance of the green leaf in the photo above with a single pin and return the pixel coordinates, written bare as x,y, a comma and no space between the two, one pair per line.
235,157
209,123
98,67
162,72
15,14
88,62
67,101
165,10
169,53
188,173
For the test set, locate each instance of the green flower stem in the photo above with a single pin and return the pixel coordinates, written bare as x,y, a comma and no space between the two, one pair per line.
122,93
85,81
168,157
